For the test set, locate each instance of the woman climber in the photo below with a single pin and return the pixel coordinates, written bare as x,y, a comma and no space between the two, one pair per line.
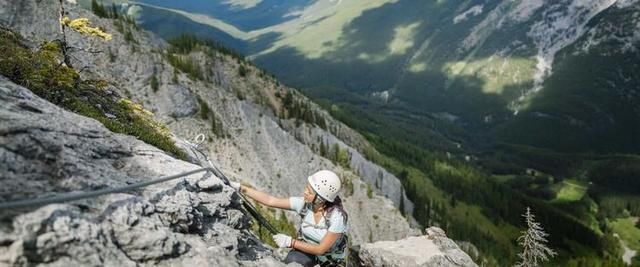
322,235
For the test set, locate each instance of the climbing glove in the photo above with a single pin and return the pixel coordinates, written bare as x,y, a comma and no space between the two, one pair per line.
283,241
235,185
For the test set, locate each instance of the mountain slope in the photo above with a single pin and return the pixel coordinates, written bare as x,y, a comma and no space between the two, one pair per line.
249,143
477,62
258,128
194,220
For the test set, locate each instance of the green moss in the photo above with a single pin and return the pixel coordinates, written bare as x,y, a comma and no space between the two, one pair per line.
41,72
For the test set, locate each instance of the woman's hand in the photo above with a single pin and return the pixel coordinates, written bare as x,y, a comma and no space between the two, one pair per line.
235,185
283,241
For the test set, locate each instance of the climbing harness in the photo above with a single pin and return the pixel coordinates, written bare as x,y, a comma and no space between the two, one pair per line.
337,255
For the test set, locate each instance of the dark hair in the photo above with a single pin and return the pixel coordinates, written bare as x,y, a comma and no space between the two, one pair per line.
336,205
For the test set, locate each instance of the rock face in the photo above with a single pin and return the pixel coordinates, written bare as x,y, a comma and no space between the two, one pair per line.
272,154
430,250
195,220
191,221
182,101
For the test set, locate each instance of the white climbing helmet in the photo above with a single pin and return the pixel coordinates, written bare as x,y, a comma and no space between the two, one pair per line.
326,184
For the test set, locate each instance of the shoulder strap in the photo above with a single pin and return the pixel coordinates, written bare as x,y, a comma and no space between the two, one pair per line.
305,209
303,213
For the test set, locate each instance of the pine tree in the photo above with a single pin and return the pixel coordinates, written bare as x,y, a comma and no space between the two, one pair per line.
155,84
533,242
323,148
114,11
98,9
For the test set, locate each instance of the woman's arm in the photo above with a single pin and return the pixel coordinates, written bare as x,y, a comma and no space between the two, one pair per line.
319,249
265,199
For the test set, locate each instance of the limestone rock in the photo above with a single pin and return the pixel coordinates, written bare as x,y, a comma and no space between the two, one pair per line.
259,148
179,100
195,221
176,222
430,250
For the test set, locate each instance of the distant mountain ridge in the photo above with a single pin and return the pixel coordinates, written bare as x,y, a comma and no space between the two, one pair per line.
495,65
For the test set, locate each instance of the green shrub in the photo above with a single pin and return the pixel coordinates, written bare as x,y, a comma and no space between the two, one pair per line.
204,109
348,185
154,83
128,37
112,56
279,222
242,70
99,9
174,78
341,156
186,64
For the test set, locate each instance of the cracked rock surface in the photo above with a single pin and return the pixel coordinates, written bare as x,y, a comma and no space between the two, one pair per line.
46,150
429,250
260,149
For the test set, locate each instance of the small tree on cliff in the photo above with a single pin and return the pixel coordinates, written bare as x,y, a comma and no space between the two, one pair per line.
534,243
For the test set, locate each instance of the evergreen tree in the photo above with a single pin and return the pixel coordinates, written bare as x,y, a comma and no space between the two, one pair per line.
98,9
114,11
323,149
533,242
155,84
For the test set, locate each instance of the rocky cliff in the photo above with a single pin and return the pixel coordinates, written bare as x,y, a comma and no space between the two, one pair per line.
433,249
194,220
257,147
191,221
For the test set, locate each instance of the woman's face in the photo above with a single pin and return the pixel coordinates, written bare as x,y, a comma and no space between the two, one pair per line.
308,194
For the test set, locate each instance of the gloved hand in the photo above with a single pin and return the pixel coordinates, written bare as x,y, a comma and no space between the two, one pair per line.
235,185
283,241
